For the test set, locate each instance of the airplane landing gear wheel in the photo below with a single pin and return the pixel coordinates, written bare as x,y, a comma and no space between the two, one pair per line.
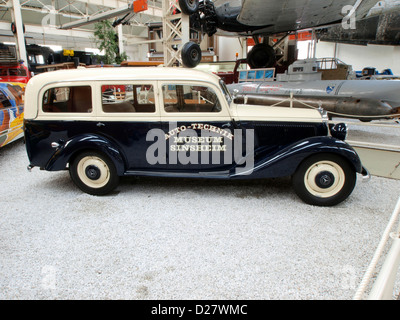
191,55
189,6
261,56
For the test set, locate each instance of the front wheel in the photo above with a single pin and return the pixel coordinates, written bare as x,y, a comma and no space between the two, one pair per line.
94,173
324,180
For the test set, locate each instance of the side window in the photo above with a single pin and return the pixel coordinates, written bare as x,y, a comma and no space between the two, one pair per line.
190,98
4,102
17,92
21,72
128,98
68,99
13,72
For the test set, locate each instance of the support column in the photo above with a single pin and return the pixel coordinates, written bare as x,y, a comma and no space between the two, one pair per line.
282,46
185,29
20,31
120,39
175,32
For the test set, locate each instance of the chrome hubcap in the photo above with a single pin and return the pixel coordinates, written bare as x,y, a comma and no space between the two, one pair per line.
324,179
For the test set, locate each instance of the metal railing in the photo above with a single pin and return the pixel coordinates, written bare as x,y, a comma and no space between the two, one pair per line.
383,286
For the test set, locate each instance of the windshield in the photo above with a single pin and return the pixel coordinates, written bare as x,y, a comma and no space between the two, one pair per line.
225,91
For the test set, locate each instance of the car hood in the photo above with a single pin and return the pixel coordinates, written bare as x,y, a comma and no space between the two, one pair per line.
250,112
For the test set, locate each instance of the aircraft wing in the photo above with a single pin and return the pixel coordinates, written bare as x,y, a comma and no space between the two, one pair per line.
290,15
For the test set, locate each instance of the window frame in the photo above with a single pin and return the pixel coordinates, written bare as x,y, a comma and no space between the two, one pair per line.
127,116
6,99
66,115
223,113
134,84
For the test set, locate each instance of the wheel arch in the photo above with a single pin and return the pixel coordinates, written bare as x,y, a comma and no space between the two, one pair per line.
345,154
69,150
288,160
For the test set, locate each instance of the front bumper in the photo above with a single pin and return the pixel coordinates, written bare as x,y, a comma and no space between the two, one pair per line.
366,176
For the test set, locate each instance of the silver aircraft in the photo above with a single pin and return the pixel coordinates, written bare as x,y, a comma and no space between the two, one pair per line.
262,18
301,86
380,27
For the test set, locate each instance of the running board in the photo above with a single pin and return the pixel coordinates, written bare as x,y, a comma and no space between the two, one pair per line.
173,174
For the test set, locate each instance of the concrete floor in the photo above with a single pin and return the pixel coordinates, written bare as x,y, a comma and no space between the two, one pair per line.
182,239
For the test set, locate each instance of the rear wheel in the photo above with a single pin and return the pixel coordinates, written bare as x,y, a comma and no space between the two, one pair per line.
324,180
94,173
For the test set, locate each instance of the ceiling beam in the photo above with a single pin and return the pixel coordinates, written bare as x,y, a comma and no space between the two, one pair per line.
101,4
48,30
98,17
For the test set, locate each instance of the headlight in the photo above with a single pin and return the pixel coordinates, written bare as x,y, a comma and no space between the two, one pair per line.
339,131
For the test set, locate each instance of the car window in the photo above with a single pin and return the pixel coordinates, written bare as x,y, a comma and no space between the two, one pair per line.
225,90
190,98
21,72
13,72
4,102
128,98
17,92
68,99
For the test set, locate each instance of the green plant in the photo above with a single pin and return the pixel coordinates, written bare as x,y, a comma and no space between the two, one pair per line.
107,39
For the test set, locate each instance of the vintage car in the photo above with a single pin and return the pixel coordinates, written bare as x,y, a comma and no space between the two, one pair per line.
11,112
177,122
14,72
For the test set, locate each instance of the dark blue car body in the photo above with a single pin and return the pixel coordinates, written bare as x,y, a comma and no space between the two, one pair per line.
190,128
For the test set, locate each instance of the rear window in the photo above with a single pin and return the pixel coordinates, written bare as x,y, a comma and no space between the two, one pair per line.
68,99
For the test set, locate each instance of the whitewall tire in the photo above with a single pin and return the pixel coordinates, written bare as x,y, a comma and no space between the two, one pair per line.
324,180
94,173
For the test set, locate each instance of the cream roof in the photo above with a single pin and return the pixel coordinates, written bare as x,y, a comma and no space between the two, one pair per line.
91,75
121,74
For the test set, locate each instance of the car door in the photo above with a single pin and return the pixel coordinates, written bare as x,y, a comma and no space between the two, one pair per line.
129,112
198,128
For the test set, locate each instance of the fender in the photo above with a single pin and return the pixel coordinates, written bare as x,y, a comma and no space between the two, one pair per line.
286,162
79,143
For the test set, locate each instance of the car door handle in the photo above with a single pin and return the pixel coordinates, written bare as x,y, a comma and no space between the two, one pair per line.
100,124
